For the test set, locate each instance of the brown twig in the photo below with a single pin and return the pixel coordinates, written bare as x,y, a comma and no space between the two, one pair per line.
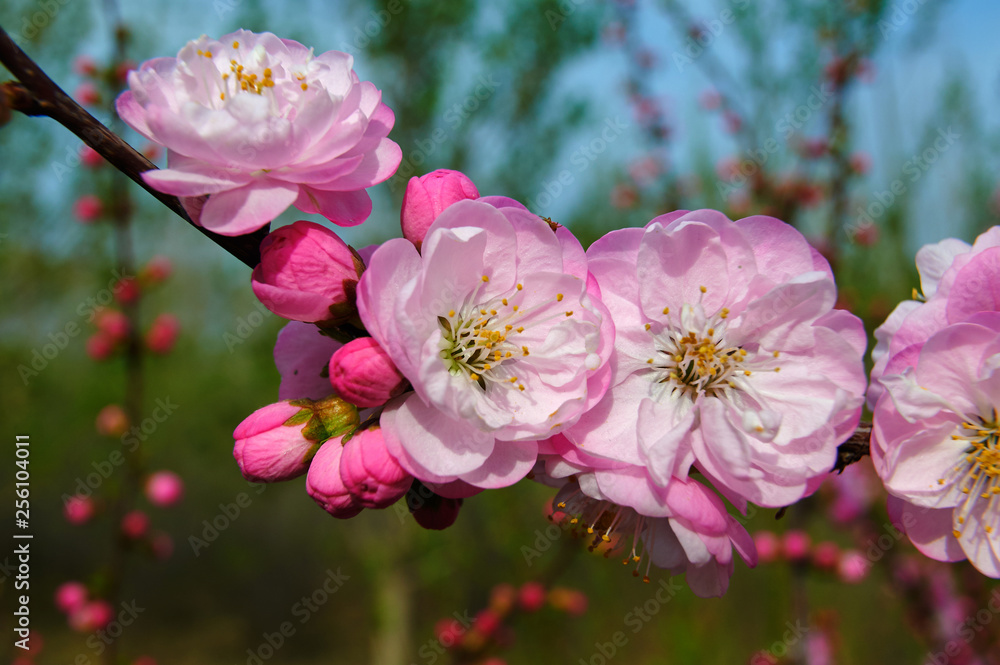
38,95
854,449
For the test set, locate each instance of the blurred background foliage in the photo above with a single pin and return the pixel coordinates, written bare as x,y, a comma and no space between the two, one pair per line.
598,114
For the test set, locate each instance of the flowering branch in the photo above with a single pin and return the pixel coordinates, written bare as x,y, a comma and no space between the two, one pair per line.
854,449
37,95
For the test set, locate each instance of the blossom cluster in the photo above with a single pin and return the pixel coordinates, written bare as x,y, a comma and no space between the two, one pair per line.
661,380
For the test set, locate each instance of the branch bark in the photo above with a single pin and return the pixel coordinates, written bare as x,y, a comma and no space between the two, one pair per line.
37,95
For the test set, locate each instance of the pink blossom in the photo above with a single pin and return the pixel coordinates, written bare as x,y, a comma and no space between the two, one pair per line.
259,123
826,555
100,346
78,509
496,328
952,277
164,488
853,566
531,596
90,157
325,484
370,473
277,442
135,524
362,373
113,322
728,354
162,334
127,290
84,65
157,270
570,601
768,546
88,208
111,421
70,596
307,273
87,94
935,433
427,196
92,616
795,545
486,622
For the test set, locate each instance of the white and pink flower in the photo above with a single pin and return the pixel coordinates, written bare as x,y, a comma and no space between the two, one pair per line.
494,326
257,124
728,355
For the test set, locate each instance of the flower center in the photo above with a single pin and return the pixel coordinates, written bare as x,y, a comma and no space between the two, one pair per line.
608,526
484,340
978,472
693,357
239,78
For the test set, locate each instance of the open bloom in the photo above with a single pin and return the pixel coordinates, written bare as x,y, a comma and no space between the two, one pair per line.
683,528
936,443
957,281
728,354
256,124
494,327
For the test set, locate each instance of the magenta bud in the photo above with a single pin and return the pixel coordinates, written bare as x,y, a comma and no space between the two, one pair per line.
307,273
427,196
370,473
431,510
325,485
268,449
363,373
71,596
164,488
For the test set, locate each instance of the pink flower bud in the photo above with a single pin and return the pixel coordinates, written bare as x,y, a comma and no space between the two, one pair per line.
127,291
307,273
370,473
112,322
448,632
861,163
768,546
502,597
325,485
157,270
70,596
363,373
164,488
84,65
796,545
87,94
853,567
111,421
162,335
135,524
427,196
531,597
92,616
826,555
78,509
90,157
272,445
431,510
100,346
88,208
